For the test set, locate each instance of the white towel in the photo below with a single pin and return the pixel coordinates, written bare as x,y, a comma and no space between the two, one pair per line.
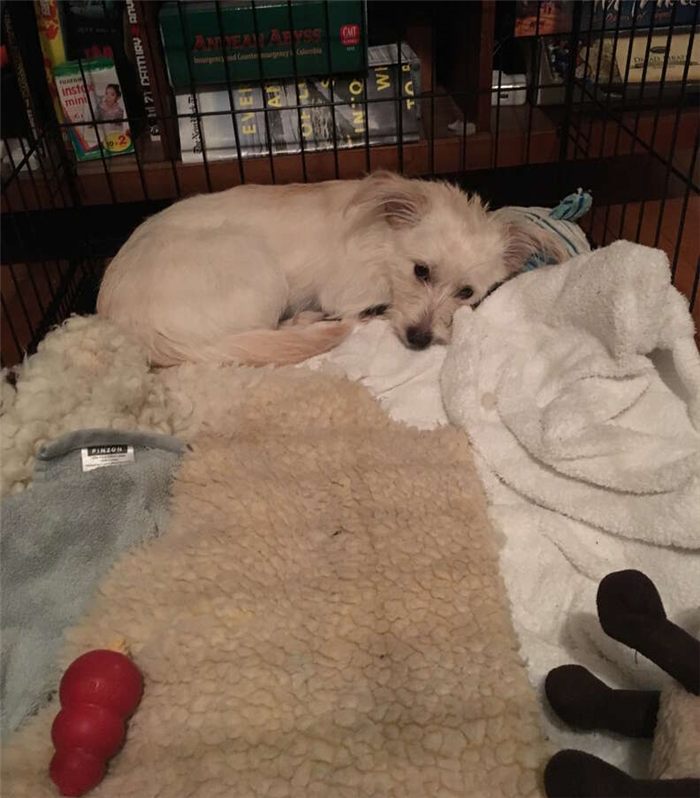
554,381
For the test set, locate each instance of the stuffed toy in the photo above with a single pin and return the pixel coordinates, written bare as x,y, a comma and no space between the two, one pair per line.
630,610
560,220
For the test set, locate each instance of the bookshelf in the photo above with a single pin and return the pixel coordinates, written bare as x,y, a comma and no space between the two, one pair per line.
509,137
64,221
120,179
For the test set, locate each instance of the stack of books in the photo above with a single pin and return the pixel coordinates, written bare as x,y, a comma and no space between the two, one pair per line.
546,17
329,112
101,73
344,95
607,56
228,79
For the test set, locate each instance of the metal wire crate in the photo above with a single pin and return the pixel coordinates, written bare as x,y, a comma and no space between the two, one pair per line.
632,142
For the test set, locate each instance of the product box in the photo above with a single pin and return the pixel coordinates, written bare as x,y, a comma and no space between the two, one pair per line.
99,29
556,16
105,98
353,128
675,60
512,89
191,32
604,72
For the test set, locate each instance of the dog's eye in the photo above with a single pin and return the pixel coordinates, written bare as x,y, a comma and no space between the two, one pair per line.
422,272
375,310
467,292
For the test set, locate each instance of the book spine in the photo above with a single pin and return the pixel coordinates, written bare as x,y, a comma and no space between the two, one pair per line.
147,15
354,123
596,11
144,68
23,83
53,52
312,123
316,119
350,116
50,33
250,123
385,82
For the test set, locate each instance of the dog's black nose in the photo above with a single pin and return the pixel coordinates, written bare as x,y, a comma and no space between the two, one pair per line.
418,338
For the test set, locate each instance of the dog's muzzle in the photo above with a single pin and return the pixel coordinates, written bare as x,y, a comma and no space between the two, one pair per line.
418,337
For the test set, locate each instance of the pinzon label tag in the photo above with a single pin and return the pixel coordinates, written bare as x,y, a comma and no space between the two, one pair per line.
100,456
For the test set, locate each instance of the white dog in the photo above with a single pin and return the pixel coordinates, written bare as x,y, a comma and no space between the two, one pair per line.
276,274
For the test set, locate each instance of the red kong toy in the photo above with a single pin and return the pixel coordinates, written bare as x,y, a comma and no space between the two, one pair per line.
98,693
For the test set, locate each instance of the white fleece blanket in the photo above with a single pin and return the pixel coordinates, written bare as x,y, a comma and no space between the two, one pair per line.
579,386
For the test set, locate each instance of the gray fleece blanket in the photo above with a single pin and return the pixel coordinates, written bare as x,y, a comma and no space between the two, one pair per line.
96,493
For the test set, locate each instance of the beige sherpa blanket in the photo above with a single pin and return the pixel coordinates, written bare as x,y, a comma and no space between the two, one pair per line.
324,618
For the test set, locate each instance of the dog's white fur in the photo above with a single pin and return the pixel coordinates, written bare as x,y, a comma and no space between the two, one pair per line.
213,278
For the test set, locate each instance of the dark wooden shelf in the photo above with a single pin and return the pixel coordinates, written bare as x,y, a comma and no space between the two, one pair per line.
519,141
121,179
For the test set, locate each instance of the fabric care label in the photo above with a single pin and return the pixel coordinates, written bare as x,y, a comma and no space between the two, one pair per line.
100,456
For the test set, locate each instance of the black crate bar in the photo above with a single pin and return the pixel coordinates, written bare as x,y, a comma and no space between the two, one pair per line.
674,136
535,59
331,82
653,154
13,218
295,70
25,225
193,93
655,125
229,89
611,70
268,137
60,296
618,131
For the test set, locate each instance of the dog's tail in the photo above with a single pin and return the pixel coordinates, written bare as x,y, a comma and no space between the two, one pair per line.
255,348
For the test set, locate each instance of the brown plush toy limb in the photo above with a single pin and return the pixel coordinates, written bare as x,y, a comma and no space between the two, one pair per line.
575,774
583,701
631,611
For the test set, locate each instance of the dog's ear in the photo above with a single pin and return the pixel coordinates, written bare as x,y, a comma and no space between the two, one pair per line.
524,239
398,201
